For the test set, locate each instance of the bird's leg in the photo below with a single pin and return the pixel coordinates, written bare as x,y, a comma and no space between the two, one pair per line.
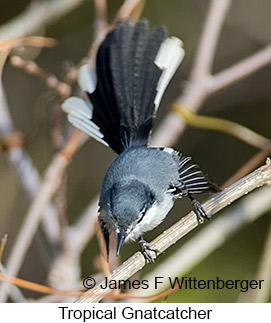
199,210
144,247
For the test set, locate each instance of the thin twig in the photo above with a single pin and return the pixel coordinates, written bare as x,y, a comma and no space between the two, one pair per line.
194,93
31,223
130,8
208,41
3,243
63,89
218,124
15,293
35,41
101,17
33,217
248,167
37,15
65,269
240,70
27,173
197,90
259,177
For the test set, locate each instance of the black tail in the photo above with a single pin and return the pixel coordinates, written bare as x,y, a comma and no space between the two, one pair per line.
126,84
133,69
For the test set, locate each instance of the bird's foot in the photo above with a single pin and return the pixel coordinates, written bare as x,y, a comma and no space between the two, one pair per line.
144,248
199,210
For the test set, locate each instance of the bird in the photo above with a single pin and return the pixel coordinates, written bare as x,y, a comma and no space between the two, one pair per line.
134,66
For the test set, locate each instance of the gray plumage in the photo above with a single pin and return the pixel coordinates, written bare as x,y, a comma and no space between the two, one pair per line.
133,69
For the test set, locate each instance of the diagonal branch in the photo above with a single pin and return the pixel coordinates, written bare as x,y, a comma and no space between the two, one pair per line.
260,177
201,84
240,70
27,173
37,15
212,237
196,93
51,183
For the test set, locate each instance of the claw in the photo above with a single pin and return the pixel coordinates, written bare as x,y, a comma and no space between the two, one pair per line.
144,247
199,210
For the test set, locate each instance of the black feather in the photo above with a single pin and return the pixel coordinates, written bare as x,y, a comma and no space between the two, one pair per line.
191,179
127,79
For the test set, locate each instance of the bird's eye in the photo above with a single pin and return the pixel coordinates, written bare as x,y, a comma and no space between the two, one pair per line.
152,198
141,214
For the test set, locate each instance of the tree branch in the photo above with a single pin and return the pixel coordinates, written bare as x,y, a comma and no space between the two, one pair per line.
27,173
240,70
37,15
201,84
212,237
259,177
51,182
208,41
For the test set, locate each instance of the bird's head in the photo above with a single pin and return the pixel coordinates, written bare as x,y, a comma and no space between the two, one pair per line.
128,203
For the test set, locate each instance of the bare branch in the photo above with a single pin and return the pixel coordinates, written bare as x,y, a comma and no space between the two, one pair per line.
196,93
240,70
51,182
27,173
130,8
101,17
212,237
259,177
248,167
15,293
37,15
50,80
211,31
213,123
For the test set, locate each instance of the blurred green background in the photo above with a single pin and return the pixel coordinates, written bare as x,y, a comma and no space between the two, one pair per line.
246,30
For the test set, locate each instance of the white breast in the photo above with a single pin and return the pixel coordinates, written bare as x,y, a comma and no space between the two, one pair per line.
152,218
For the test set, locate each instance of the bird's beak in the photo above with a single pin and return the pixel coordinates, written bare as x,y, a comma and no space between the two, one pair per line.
121,238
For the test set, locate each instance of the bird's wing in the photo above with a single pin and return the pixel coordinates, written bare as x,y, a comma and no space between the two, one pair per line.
191,179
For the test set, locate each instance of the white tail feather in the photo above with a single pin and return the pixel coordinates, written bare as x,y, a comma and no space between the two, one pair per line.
78,108
169,57
87,79
80,114
86,126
